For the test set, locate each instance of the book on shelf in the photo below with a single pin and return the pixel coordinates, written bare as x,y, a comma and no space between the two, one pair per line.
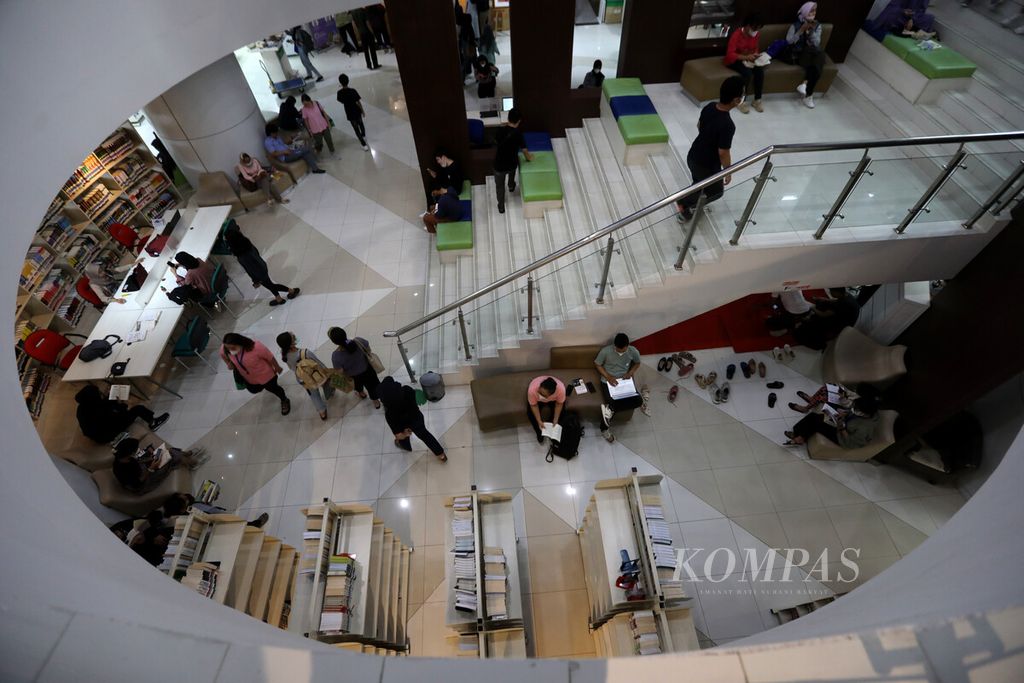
468,645
202,578
495,583
644,629
337,608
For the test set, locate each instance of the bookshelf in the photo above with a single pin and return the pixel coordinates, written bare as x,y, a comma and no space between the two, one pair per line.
626,514
254,572
119,182
484,610
353,580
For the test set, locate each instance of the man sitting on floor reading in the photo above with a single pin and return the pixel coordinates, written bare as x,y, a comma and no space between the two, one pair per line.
545,397
617,363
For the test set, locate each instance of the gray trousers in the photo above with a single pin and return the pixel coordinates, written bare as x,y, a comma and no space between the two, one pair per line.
304,58
320,396
499,182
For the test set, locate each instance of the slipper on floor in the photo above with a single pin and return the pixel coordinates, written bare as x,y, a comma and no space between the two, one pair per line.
803,395
771,399
775,385
701,381
687,356
685,370
730,371
672,394
746,370
761,370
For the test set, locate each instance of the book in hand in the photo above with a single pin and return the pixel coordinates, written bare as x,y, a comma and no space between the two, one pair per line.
624,388
119,392
552,431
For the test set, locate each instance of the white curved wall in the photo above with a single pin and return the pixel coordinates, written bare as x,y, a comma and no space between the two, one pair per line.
71,72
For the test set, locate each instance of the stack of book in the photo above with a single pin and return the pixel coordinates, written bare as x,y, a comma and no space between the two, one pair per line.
313,551
37,263
183,544
202,578
464,552
661,544
645,633
114,147
208,492
468,645
341,573
496,583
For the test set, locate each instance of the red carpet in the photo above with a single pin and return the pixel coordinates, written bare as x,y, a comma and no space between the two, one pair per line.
739,324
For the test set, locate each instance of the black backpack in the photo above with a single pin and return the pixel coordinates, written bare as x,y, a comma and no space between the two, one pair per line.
98,348
184,294
572,432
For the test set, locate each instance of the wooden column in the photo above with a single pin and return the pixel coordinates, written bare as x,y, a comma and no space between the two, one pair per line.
541,34
426,46
654,40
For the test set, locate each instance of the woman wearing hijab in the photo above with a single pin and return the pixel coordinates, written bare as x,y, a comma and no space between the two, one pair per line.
254,265
289,119
405,419
804,40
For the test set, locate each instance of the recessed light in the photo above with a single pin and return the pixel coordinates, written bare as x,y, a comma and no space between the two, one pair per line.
789,198
570,489
403,503
231,455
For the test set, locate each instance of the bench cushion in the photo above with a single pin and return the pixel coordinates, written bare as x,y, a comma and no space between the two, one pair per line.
457,235
940,63
643,129
543,162
618,87
538,142
467,190
467,210
541,186
115,496
629,105
899,45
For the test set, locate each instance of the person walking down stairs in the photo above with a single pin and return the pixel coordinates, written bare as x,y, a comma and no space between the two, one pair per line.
506,159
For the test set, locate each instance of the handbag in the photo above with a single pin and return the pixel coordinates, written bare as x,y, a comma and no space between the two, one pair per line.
98,348
341,382
330,121
372,358
240,382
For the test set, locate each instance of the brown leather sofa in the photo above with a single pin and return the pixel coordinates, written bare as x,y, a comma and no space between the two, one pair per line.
701,78
500,401
115,496
92,456
215,189
252,199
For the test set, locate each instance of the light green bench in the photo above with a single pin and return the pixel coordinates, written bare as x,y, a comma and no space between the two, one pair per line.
631,122
919,76
539,182
939,63
456,239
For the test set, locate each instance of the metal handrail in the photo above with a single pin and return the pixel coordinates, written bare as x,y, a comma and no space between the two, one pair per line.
795,148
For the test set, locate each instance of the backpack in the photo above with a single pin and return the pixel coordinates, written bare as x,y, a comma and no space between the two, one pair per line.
572,432
98,348
184,294
311,375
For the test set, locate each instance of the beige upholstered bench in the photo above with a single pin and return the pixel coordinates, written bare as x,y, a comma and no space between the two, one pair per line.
853,357
820,448
115,496
215,189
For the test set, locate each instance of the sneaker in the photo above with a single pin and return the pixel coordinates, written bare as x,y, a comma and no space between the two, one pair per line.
809,102
645,396
606,413
608,436
715,393
319,78
743,107
723,393
684,216
158,421
501,208
802,89
758,107
366,148
511,187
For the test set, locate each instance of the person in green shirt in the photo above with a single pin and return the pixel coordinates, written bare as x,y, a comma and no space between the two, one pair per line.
853,428
618,361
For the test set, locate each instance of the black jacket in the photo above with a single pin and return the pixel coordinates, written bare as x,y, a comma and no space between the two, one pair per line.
400,409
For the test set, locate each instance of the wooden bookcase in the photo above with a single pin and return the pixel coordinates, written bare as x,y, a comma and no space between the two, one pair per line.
615,520
255,573
493,527
378,602
119,182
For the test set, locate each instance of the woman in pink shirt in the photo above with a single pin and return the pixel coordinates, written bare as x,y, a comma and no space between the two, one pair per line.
252,176
544,392
199,273
317,123
254,365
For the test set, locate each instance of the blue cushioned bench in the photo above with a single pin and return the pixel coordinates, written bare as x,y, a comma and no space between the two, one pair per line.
631,121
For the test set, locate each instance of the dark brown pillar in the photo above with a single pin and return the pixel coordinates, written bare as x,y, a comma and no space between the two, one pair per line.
423,34
541,33
654,40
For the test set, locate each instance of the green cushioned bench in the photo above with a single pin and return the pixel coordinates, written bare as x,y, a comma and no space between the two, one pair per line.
541,186
454,239
938,63
542,161
618,87
919,76
642,129
899,45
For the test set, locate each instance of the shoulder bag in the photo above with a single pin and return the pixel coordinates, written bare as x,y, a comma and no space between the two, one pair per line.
372,358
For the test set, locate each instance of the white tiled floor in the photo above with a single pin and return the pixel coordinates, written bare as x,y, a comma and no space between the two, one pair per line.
349,238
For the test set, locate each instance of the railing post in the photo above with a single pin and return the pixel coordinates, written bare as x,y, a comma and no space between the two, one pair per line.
1013,192
465,338
922,204
405,359
764,177
996,196
855,175
601,286
688,233
529,305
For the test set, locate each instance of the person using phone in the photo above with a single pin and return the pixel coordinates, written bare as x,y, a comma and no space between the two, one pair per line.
741,55
804,49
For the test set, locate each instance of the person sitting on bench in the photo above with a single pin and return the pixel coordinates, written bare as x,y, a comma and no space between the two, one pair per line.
447,210
545,395
102,419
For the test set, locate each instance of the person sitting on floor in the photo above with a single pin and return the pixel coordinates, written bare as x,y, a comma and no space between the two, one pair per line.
829,318
143,472
853,428
148,536
102,419
544,395
615,362
448,209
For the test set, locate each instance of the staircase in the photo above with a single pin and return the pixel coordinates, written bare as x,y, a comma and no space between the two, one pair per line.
643,278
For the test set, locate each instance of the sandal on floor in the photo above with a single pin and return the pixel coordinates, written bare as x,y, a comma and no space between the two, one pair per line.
730,371
442,457
672,394
687,356
761,370
771,399
701,381
799,409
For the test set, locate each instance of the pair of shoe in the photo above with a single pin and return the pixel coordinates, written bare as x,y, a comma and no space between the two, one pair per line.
751,366
664,364
645,396
704,382
783,354
719,394
158,421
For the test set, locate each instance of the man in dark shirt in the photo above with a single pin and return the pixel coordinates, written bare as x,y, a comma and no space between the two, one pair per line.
710,151
349,98
594,77
506,160
447,210
102,419
446,172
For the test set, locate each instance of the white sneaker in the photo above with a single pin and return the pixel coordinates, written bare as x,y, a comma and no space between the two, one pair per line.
809,102
802,89
366,148
744,108
606,413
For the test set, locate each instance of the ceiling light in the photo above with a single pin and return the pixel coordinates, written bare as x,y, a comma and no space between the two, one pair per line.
403,503
570,489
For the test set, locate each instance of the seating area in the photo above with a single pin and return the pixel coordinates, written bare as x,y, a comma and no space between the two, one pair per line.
456,239
216,189
500,400
541,186
702,77
853,358
920,75
820,448
631,121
